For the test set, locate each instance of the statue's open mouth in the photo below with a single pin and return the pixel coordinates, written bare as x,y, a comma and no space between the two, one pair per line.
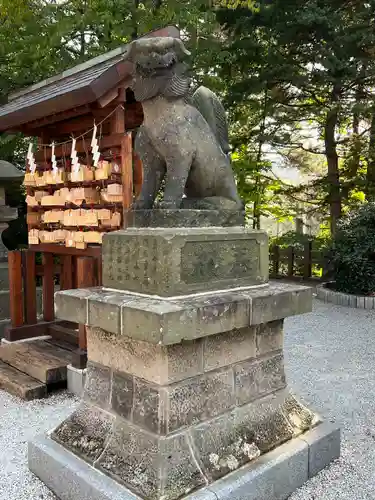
155,64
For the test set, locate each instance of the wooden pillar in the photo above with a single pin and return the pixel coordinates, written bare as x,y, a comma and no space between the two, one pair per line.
48,287
307,260
15,288
275,260
30,287
127,173
290,261
66,275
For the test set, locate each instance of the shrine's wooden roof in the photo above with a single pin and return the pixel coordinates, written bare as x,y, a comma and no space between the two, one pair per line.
78,86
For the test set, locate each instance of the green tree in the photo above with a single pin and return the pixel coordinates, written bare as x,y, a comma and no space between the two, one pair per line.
312,58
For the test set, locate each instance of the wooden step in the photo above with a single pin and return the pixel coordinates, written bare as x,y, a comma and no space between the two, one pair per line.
51,348
19,384
36,360
65,333
67,346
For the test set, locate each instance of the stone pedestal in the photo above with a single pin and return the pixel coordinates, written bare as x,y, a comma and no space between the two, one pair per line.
7,214
185,389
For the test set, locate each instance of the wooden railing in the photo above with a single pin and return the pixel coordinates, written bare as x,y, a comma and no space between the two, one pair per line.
293,263
74,269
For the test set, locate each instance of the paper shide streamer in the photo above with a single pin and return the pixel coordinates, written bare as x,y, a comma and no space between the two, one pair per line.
31,158
95,146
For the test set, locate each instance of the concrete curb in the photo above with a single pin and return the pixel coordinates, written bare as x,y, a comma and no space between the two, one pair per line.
344,299
273,476
76,380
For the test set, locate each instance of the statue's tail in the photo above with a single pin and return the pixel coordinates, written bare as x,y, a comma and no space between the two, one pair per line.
210,107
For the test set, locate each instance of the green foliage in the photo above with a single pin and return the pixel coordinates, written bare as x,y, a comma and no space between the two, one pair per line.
353,252
298,79
306,70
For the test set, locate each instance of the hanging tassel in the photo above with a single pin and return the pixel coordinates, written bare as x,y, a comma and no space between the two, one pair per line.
95,147
31,158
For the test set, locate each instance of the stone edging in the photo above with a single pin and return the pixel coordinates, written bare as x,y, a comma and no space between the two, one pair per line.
344,299
289,466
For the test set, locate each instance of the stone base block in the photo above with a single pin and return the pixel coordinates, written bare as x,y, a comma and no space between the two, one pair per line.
76,380
164,321
4,323
273,476
183,218
179,261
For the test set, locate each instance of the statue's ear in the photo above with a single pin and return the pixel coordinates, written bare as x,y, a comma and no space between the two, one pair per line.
180,48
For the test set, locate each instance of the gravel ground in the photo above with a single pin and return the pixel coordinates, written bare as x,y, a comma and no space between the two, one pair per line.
330,364
19,422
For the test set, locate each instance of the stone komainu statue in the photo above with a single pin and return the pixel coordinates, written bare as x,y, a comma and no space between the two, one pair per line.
184,139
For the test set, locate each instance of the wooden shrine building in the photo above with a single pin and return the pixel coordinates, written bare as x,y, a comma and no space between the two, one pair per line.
75,192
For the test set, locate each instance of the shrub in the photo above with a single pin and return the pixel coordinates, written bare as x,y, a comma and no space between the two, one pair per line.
352,254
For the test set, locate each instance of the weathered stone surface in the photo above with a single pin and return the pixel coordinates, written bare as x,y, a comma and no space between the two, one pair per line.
143,359
179,471
271,427
154,321
122,394
235,438
217,314
131,456
206,261
166,322
73,305
104,310
141,462
256,378
184,138
4,276
269,337
173,261
300,417
279,302
199,398
85,432
184,360
225,349
69,477
165,409
170,322
274,476
183,218
155,363
149,407
98,385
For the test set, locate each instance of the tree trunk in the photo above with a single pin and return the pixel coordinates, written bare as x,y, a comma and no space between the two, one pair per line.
370,179
334,190
257,202
135,19
356,155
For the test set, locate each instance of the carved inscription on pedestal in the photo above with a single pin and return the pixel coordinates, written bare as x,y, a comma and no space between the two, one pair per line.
205,261
135,261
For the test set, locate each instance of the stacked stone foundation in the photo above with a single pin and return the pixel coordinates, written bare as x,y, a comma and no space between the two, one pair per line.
181,416
185,388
